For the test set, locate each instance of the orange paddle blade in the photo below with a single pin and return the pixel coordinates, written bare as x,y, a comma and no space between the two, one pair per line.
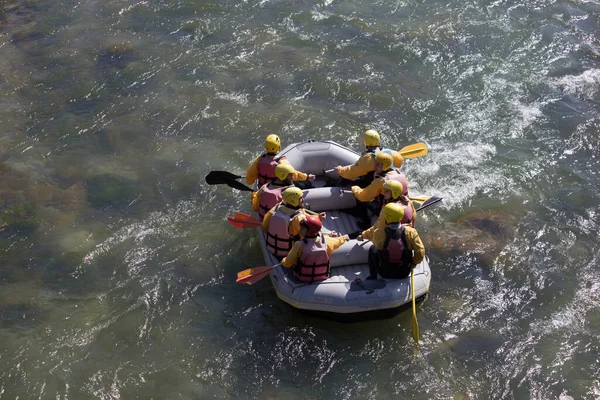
244,223
252,275
249,218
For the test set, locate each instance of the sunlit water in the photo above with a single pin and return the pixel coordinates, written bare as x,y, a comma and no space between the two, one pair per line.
117,276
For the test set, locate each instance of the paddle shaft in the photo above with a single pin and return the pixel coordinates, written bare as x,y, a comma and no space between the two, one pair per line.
415,323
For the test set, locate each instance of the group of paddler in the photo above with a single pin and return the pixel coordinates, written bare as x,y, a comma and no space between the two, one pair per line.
294,234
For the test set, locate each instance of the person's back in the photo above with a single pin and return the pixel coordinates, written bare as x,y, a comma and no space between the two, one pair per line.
395,258
392,252
277,221
310,256
279,241
314,262
263,167
271,193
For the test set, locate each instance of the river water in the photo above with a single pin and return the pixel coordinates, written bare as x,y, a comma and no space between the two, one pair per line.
117,266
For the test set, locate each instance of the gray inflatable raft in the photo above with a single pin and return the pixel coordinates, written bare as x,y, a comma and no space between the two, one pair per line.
347,291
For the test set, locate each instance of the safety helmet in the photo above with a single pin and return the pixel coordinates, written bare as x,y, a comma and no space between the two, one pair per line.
292,196
371,138
395,187
272,144
282,170
393,213
396,156
312,224
385,159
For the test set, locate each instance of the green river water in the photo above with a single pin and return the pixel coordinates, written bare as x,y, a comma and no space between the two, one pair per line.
117,266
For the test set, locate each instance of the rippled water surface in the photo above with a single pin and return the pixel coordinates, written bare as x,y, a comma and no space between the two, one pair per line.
117,266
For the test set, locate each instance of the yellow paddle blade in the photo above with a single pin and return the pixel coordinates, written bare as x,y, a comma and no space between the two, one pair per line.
420,199
415,324
414,150
244,273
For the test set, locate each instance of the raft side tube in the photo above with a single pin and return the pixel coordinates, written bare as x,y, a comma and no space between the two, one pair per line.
314,157
328,198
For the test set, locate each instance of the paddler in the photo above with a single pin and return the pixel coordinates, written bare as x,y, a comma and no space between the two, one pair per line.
310,256
361,172
393,194
263,168
396,248
271,193
382,164
282,222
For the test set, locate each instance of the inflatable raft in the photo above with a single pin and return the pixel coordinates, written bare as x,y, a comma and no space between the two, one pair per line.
347,292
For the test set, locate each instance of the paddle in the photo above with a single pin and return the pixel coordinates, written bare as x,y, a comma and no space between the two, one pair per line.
227,178
432,201
414,150
241,220
415,324
252,275
410,151
218,177
420,199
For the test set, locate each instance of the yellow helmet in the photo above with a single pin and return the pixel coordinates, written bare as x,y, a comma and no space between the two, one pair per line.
282,170
395,187
272,144
371,138
385,159
393,213
292,196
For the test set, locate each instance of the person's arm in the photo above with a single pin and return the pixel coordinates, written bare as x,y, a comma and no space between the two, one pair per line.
378,238
294,227
414,218
256,199
334,242
361,167
267,219
252,172
299,176
398,159
293,256
370,192
415,244
380,223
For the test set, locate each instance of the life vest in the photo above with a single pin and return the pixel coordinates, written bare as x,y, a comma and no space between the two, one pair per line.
313,265
270,195
408,213
266,168
395,249
279,242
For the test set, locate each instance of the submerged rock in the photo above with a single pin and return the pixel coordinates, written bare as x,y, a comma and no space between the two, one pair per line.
483,232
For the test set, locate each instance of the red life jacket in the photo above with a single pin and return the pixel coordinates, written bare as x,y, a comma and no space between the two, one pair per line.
270,195
395,249
266,168
313,265
279,242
